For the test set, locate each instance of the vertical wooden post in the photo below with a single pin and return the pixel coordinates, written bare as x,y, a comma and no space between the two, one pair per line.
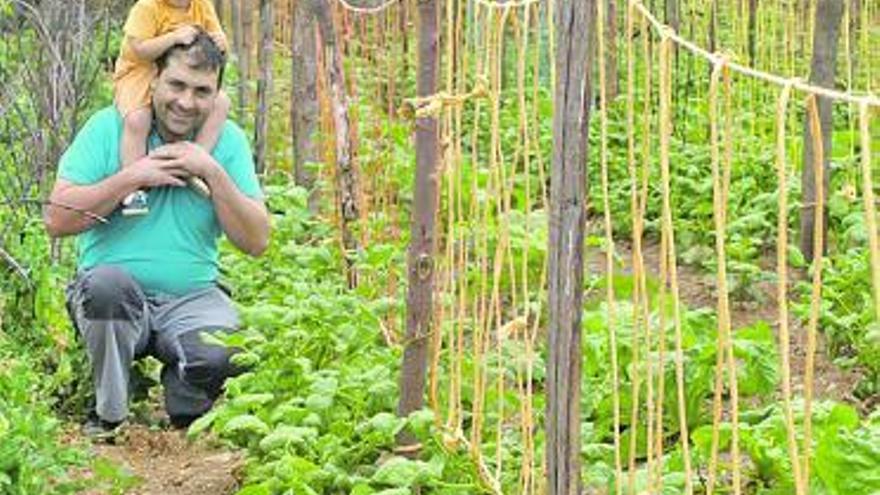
753,31
673,17
713,26
264,84
822,70
420,259
304,101
612,77
568,183
347,180
238,47
855,11
247,49
403,25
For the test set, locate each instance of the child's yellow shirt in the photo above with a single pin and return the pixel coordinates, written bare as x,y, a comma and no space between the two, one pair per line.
149,19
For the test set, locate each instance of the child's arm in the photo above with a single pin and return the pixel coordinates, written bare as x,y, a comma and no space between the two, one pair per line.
220,40
151,49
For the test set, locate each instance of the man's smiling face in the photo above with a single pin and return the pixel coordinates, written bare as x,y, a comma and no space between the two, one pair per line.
183,97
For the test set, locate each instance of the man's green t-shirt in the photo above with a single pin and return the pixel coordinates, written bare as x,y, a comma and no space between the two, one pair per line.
173,248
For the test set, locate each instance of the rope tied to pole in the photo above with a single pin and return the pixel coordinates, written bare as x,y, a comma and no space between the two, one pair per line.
433,105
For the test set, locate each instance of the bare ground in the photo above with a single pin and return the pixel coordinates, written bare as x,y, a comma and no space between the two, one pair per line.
163,461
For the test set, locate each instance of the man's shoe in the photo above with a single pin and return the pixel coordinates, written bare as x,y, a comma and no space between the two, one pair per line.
135,204
182,421
99,430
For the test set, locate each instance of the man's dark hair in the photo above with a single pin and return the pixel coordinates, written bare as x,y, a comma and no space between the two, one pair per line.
201,54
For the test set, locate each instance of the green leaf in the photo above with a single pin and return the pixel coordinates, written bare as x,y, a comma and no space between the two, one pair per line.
872,333
386,423
245,359
702,438
254,490
420,422
847,461
796,257
318,402
244,424
201,425
362,489
395,491
284,436
403,472
251,402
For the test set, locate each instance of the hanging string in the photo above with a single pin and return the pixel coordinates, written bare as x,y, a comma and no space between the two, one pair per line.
727,164
536,480
499,179
870,206
818,258
641,328
670,256
724,351
480,296
782,286
665,115
609,241
526,465
684,436
636,237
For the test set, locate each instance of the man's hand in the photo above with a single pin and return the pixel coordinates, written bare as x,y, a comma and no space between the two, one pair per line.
150,171
244,220
185,35
186,156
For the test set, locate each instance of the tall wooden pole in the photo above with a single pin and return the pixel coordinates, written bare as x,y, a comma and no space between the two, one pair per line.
612,77
264,83
238,47
247,49
304,101
823,67
568,183
347,180
420,259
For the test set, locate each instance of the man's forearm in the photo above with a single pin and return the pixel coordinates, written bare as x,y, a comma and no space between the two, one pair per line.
245,221
100,198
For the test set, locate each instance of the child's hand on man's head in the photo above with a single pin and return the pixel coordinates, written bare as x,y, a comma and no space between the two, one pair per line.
219,40
185,35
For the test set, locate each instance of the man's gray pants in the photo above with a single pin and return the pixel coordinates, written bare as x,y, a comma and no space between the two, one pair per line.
119,323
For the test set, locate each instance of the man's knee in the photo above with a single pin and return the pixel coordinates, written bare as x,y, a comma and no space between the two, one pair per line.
207,365
109,293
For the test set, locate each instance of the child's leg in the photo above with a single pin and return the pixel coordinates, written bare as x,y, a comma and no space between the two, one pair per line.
209,134
136,128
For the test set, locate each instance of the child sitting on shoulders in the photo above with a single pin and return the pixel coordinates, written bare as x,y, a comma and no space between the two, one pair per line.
152,27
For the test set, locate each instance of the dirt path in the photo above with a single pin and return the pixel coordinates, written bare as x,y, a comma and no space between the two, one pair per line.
697,289
164,462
